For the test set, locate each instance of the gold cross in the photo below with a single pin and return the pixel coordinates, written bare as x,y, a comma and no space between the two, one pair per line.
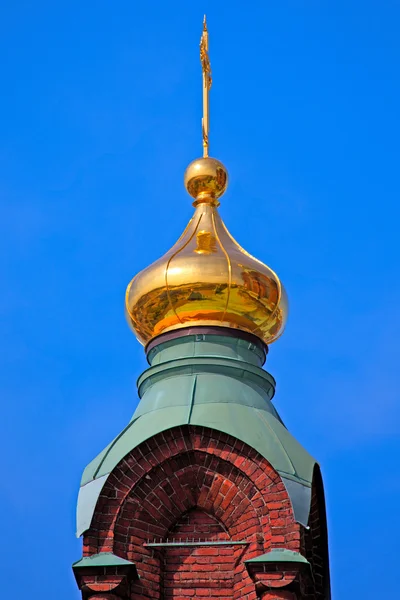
207,82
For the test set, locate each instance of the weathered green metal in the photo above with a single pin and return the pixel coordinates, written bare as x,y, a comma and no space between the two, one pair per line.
103,563
215,345
279,555
103,559
216,382
256,427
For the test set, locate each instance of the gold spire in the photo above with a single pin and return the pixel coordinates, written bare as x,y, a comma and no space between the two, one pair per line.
207,83
206,278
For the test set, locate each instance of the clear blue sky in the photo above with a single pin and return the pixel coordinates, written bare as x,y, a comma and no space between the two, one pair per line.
100,114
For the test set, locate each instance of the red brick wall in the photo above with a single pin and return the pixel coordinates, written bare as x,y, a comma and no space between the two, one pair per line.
185,481
196,571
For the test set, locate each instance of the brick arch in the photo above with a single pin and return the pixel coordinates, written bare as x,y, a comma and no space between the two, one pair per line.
151,563
147,515
183,469
223,490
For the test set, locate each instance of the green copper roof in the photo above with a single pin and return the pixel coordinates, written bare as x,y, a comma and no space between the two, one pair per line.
215,382
256,427
103,559
279,555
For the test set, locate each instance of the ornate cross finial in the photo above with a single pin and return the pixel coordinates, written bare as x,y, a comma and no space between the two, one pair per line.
207,82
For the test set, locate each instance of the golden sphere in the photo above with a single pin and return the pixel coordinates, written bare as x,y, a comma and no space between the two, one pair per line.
206,177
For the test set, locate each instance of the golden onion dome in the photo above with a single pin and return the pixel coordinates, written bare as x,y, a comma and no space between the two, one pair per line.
206,278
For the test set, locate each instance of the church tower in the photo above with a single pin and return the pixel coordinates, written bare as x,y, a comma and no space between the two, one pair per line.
205,493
